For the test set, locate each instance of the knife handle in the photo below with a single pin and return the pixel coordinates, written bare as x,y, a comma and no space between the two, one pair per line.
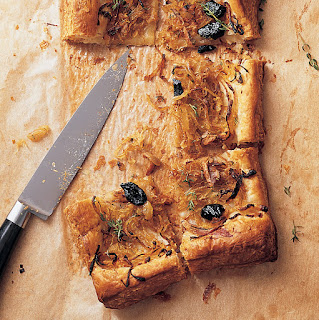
10,231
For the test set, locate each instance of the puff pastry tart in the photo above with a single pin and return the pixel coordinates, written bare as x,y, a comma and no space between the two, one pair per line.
182,24
127,242
128,22
189,23
217,103
224,211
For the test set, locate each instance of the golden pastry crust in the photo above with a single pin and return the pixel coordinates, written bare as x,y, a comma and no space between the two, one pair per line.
246,11
181,20
137,262
248,102
245,234
108,22
220,103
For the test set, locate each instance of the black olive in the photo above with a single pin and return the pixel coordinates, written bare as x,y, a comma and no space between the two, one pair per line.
217,9
178,90
211,211
211,30
202,49
133,193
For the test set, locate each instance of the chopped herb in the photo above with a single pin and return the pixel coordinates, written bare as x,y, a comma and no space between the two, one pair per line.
102,217
117,228
236,120
287,191
187,179
191,205
295,232
261,23
95,259
194,108
116,4
138,278
312,62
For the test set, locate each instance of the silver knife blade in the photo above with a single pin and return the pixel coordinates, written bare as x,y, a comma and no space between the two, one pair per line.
62,162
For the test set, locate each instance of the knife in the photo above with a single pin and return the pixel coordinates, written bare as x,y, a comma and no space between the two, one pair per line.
58,168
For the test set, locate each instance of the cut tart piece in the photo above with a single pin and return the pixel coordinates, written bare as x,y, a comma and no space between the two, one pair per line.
191,23
110,22
217,103
223,209
127,243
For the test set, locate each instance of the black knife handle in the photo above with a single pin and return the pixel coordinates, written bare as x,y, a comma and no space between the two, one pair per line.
9,233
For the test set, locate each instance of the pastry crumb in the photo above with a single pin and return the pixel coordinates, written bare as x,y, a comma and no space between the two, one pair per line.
38,134
44,44
20,143
208,291
100,163
162,296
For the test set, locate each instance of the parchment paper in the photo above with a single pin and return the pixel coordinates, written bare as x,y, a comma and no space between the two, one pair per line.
35,90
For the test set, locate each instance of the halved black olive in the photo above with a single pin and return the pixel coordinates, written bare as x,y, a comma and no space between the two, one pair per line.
202,49
211,211
211,30
178,90
217,9
133,193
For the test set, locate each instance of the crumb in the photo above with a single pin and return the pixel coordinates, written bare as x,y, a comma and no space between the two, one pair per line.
20,143
100,163
12,99
17,27
162,296
46,30
13,141
288,60
274,79
208,291
21,270
39,133
44,44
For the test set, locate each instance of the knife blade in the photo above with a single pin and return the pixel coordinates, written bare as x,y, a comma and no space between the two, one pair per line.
62,162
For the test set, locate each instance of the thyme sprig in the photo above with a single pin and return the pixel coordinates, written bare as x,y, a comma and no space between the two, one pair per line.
194,108
191,205
295,232
187,179
306,48
116,4
117,228
211,14
287,191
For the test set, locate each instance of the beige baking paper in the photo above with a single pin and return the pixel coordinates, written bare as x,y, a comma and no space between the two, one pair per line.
42,81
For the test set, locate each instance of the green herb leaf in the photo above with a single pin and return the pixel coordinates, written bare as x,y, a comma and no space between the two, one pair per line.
312,62
102,217
191,205
211,14
194,108
116,4
187,179
287,191
295,232
117,228
261,23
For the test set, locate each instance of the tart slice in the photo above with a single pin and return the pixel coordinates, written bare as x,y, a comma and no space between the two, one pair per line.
217,104
110,22
127,243
223,209
190,23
